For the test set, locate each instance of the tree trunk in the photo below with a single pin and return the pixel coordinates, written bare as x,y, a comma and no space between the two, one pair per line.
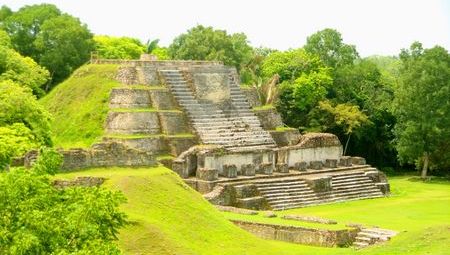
425,165
346,144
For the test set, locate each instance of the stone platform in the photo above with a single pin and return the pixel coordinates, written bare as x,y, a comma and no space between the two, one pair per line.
219,139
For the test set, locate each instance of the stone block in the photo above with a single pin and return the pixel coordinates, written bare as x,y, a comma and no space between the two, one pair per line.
246,190
315,165
265,168
282,168
180,167
384,187
358,161
207,174
248,169
300,166
229,171
254,203
205,186
331,163
173,123
376,176
269,118
345,161
320,184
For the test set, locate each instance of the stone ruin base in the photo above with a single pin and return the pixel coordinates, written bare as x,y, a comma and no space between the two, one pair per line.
103,154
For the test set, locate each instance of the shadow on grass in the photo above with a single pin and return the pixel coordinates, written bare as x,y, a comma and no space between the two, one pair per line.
431,180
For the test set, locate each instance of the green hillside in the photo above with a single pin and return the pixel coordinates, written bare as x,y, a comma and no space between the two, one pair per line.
168,217
79,105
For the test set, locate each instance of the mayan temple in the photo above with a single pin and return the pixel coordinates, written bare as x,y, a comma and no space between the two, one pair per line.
194,117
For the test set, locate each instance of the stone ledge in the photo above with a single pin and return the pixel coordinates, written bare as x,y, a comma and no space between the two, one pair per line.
300,235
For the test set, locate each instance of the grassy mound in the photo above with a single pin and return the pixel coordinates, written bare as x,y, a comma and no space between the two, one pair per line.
170,218
79,105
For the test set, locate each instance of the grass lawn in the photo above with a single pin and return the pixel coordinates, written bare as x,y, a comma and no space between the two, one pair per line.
79,105
168,217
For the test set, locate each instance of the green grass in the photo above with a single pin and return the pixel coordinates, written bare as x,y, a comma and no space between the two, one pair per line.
170,218
283,129
263,107
79,105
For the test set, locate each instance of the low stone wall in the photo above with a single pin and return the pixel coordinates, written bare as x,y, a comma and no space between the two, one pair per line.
104,155
300,235
82,181
312,148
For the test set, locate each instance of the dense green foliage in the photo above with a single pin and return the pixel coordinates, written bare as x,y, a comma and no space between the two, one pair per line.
329,46
24,123
38,218
22,70
57,41
206,43
111,47
79,105
422,107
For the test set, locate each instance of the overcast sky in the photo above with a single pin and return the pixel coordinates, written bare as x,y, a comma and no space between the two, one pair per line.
380,27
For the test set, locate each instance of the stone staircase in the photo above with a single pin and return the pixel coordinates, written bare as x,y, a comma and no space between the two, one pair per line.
370,236
293,192
236,128
287,193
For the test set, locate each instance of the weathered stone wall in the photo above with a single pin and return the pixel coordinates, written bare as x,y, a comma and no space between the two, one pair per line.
252,96
270,118
162,99
312,147
82,181
173,123
105,154
285,137
133,123
300,235
129,98
256,158
211,85
156,145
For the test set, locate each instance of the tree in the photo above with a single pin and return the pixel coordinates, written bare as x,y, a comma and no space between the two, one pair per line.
348,116
151,45
63,45
24,26
329,46
22,70
15,140
57,41
304,82
422,106
18,105
5,12
111,47
206,43
38,218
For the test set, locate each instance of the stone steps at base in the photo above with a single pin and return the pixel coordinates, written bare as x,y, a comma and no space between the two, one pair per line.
360,244
363,239
352,184
317,202
350,179
283,184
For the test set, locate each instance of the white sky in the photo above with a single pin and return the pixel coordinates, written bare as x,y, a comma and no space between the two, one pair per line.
380,27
